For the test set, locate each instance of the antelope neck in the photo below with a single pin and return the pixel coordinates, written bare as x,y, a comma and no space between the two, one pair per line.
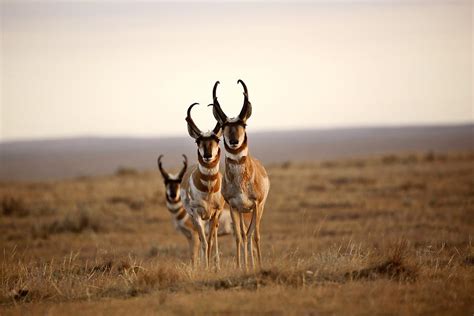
198,176
178,203
173,201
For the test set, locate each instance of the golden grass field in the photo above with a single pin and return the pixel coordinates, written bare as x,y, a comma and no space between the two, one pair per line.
386,235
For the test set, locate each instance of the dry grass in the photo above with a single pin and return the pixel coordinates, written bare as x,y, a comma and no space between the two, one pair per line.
387,235
11,206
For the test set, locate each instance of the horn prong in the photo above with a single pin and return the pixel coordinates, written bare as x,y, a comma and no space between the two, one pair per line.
247,106
244,86
216,107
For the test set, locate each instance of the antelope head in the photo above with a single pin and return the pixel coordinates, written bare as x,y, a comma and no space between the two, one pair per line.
172,182
233,128
207,142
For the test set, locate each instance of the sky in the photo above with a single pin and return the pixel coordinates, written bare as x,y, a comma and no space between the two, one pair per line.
117,68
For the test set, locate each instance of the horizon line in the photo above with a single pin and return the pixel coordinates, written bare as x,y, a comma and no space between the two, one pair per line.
259,131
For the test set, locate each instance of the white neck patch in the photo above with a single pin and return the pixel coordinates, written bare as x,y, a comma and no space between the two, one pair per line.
238,156
208,171
174,206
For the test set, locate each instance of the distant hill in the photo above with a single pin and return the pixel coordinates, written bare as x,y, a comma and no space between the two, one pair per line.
62,158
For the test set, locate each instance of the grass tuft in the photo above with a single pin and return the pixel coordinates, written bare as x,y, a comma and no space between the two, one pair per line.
75,222
393,266
13,206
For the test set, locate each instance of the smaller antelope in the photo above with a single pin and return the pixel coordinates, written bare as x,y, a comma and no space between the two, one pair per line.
181,218
201,187
246,184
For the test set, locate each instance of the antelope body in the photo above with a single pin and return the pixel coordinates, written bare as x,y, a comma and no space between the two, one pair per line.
245,185
201,188
181,219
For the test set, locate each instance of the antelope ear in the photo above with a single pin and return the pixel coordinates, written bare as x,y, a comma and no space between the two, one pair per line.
192,132
248,112
217,130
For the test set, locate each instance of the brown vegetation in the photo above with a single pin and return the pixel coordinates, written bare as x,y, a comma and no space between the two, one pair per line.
389,235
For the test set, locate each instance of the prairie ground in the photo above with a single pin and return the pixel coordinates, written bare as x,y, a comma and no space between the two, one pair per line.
382,235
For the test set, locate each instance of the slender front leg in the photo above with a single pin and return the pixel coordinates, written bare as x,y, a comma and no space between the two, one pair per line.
218,261
257,236
257,245
250,237
191,244
243,232
212,229
202,238
204,246
238,237
195,239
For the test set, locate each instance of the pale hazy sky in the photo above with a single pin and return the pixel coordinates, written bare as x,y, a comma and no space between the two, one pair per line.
132,68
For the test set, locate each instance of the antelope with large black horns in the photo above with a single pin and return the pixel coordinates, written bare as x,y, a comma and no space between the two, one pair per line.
245,186
181,219
201,187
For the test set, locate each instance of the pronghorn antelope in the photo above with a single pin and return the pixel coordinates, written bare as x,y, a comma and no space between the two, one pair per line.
245,186
201,187
181,218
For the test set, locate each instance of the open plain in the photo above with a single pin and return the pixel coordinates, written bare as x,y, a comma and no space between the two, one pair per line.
385,234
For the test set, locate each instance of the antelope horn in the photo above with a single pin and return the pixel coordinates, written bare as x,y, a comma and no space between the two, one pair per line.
193,130
216,107
160,167
247,107
185,166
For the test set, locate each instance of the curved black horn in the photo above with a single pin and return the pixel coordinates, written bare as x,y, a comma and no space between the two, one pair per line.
160,167
216,107
247,107
185,166
193,130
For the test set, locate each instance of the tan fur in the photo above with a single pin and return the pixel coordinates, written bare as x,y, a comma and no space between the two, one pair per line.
246,182
209,201
245,189
201,191
204,202
184,224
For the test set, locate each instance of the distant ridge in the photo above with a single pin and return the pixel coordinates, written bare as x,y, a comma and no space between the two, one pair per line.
63,158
